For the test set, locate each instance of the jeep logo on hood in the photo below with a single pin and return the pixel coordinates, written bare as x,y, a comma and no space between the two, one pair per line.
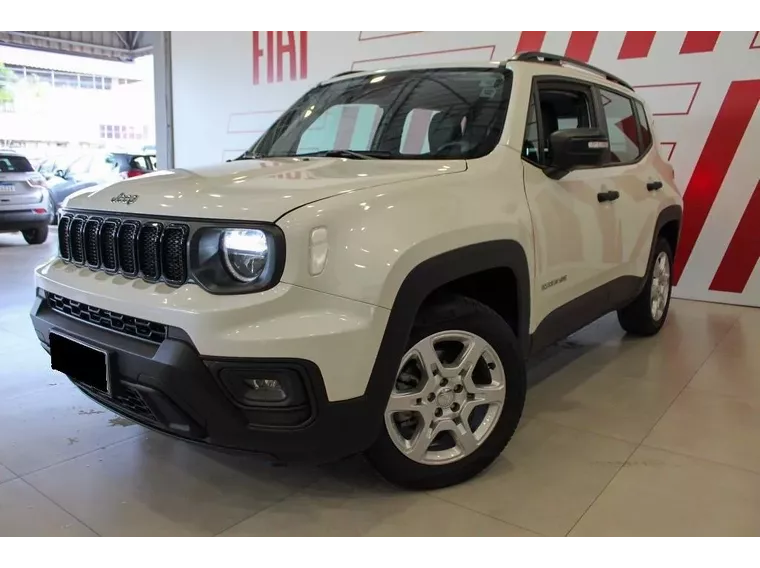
125,198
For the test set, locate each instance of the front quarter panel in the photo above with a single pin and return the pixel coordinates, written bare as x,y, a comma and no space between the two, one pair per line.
377,237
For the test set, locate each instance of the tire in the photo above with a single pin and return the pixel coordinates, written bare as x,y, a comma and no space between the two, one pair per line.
36,236
430,464
640,317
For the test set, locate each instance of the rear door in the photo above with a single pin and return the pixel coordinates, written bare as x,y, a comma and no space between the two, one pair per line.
634,174
20,186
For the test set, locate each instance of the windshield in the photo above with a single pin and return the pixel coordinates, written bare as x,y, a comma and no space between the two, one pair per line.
420,114
14,164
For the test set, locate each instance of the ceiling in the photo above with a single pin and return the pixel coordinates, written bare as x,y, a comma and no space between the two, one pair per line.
118,46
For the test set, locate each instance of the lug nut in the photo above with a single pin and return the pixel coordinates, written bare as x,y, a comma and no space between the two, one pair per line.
458,388
444,382
431,397
438,412
455,407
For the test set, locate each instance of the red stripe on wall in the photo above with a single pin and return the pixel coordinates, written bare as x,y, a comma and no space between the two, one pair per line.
699,42
530,41
581,45
711,169
743,251
636,45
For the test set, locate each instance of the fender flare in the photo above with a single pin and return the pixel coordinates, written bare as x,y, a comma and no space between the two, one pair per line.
425,279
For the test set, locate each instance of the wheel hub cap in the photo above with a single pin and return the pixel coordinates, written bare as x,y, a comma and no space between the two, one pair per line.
445,398
448,396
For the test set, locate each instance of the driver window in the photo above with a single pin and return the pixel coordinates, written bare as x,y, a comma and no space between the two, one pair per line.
341,127
560,108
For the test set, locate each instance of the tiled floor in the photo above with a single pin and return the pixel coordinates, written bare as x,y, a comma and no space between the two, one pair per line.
620,437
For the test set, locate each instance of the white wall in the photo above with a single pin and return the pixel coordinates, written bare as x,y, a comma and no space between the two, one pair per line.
687,77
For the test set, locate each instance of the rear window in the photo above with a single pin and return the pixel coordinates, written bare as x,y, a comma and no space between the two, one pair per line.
15,164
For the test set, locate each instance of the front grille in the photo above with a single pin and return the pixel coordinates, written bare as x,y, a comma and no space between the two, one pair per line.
128,325
150,250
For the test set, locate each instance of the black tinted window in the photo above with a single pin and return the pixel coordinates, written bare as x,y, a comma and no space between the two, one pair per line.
426,114
15,164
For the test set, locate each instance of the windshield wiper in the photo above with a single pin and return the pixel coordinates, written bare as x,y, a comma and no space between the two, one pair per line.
352,154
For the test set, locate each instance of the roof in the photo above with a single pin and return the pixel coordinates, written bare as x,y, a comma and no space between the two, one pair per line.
561,66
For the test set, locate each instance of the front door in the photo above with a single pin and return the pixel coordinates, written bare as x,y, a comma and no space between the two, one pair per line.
577,237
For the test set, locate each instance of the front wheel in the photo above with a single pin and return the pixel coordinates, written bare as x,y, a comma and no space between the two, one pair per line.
457,399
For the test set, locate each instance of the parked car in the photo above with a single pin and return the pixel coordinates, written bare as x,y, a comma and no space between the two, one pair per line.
24,198
373,289
97,168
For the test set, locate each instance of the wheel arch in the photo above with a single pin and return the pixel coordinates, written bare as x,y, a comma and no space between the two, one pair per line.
443,274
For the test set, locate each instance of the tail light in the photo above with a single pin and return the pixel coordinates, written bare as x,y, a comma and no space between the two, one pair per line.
132,173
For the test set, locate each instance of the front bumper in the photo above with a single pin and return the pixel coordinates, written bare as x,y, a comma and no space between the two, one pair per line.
23,219
159,379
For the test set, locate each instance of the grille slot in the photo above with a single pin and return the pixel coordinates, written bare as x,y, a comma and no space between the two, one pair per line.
127,248
91,244
128,325
173,254
148,250
76,239
64,248
151,250
108,232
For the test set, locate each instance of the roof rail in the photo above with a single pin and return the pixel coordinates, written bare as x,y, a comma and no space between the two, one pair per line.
346,73
541,57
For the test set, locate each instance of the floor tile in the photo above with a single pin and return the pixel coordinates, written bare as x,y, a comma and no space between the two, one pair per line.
157,486
46,427
733,369
619,386
545,479
25,512
353,501
658,493
6,474
710,426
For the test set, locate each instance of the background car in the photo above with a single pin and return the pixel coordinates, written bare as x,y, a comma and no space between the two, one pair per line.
25,203
96,168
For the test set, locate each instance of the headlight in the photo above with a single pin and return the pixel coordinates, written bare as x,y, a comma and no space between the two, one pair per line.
237,260
245,253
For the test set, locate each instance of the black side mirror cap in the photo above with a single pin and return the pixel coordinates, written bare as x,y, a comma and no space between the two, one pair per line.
578,147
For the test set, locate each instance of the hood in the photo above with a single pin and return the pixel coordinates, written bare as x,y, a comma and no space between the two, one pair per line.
255,190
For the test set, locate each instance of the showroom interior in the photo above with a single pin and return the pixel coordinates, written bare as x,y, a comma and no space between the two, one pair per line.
619,435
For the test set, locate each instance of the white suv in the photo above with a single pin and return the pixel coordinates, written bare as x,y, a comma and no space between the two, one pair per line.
372,274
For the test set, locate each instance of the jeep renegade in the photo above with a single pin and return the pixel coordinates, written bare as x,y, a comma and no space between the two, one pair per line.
371,275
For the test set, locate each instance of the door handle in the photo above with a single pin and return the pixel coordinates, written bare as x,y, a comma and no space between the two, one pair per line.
607,196
654,185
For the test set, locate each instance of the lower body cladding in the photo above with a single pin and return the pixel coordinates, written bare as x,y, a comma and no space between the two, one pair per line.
154,375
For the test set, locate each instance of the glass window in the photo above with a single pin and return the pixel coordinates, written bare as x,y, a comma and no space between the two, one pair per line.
15,164
65,80
345,127
562,108
417,114
646,133
80,166
532,143
86,82
621,127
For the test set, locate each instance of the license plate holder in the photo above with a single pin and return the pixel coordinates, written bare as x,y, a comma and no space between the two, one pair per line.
84,363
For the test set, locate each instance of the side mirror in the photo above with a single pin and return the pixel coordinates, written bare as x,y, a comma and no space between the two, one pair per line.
60,173
577,147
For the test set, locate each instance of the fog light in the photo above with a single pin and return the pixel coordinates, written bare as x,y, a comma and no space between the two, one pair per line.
264,390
